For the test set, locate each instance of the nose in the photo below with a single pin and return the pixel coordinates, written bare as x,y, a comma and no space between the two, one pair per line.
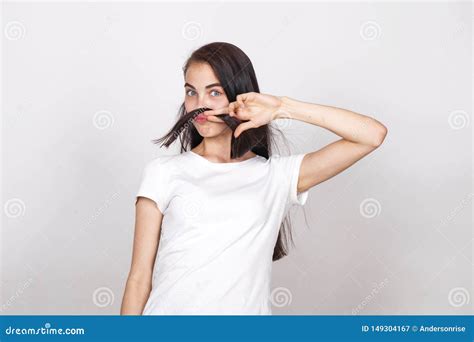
203,104
204,101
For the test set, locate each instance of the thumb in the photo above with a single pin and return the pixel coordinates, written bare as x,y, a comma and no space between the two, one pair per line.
243,127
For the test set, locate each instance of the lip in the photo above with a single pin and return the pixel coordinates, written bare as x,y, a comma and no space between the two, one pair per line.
201,118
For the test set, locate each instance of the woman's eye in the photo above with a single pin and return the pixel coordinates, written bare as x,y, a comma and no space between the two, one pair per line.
191,92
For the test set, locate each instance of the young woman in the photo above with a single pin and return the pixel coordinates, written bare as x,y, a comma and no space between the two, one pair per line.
212,215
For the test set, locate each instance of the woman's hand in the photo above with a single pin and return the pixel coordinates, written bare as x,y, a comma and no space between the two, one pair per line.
255,109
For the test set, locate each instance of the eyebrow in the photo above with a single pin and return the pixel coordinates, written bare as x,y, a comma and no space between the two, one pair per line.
208,86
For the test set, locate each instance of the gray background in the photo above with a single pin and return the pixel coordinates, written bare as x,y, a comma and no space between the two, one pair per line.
87,86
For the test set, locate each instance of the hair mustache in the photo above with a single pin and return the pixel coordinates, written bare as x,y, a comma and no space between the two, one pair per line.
246,141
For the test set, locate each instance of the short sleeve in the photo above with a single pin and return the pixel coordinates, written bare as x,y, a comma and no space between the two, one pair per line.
154,184
294,164
289,169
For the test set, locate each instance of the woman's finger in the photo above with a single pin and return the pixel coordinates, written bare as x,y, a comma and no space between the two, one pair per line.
240,100
214,118
243,127
248,97
242,113
232,106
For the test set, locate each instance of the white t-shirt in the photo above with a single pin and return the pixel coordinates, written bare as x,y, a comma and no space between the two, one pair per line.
219,229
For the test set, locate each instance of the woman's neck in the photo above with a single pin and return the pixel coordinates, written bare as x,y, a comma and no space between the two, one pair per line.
218,152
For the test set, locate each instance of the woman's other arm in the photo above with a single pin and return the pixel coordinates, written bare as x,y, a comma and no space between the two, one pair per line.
148,220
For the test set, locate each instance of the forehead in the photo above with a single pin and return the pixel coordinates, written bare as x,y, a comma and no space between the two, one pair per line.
200,74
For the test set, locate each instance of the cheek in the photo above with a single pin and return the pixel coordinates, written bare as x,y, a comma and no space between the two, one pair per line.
218,101
222,101
188,105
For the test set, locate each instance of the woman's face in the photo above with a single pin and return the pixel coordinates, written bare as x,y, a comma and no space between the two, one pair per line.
202,89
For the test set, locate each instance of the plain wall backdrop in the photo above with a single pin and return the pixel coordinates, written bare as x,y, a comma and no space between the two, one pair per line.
86,87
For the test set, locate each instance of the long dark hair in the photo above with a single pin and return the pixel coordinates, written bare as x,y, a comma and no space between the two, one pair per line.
235,72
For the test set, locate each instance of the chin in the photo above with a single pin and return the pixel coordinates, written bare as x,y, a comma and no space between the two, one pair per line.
212,129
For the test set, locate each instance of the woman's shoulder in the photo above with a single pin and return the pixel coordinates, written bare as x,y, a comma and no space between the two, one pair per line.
277,158
163,162
286,162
